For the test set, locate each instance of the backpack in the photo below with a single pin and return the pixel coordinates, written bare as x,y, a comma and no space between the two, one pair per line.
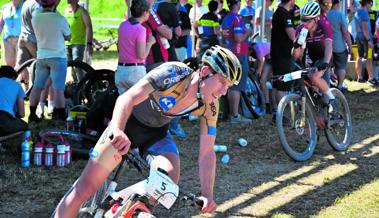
100,113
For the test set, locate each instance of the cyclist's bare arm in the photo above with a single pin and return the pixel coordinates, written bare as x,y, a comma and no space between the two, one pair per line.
123,109
328,50
297,53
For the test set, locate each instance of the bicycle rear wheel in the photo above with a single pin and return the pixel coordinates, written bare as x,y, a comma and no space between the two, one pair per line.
92,85
339,129
297,133
254,98
28,65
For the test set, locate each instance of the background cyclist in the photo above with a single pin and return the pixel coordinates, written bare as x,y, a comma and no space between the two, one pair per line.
318,43
141,117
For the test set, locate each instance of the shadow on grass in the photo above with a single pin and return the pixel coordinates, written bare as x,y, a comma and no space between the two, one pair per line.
104,55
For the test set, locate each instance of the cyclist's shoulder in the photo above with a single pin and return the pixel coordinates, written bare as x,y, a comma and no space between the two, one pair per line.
168,74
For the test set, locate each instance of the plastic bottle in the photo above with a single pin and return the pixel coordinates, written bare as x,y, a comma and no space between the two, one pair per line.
242,142
220,148
61,155
25,154
49,151
28,137
38,149
70,123
225,159
165,42
302,36
68,154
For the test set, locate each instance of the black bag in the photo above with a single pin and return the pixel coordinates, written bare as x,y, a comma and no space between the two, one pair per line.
100,113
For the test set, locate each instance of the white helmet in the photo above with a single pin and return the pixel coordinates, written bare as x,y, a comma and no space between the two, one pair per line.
310,10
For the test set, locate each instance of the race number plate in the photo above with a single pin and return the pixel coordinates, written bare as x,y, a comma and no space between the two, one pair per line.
292,76
162,188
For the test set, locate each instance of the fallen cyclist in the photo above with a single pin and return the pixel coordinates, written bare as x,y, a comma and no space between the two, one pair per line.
141,117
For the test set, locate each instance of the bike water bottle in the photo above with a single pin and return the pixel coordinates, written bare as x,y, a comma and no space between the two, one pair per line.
25,154
220,148
61,155
70,123
38,149
49,151
302,37
68,154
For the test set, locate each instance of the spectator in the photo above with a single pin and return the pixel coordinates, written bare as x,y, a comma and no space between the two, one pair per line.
11,103
341,41
51,31
248,14
27,42
133,46
185,25
295,11
167,13
81,35
158,54
10,22
194,15
364,40
208,29
283,35
186,5
236,35
267,21
325,6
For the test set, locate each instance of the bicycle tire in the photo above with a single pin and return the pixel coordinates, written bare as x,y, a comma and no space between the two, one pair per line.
77,148
91,85
330,132
254,98
88,208
24,66
293,103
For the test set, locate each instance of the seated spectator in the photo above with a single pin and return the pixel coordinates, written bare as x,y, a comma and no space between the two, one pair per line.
133,46
11,103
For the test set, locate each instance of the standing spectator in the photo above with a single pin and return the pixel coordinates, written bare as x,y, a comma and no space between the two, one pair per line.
27,42
364,40
208,29
248,14
81,35
194,15
325,6
186,5
185,25
11,103
167,13
283,35
51,30
267,20
295,11
341,41
236,36
10,22
133,46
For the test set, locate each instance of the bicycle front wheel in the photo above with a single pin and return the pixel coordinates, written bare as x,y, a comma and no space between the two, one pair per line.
339,128
297,131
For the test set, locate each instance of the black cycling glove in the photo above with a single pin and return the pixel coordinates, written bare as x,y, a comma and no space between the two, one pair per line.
322,66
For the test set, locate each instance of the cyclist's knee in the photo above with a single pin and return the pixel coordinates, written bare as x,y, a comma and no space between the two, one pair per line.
170,163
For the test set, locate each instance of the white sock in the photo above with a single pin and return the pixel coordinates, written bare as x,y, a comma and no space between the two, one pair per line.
330,94
50,106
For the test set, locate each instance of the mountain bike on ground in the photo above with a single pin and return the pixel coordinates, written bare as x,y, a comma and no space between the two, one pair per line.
138,200
304,110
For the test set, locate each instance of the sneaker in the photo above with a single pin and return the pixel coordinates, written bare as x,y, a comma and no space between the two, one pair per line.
373,82
178,131
240,119
34,118
361,80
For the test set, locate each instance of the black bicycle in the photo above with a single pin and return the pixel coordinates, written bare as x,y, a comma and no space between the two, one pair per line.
304,110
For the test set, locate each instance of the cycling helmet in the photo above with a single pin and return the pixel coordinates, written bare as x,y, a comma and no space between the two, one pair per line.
47,3
310,10
223,61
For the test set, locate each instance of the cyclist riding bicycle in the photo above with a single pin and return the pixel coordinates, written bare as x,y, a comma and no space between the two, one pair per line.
141,117
315,35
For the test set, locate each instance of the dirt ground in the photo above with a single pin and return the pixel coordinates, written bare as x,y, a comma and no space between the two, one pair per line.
259,181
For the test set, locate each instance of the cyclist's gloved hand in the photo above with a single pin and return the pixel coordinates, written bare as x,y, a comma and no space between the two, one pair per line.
322,66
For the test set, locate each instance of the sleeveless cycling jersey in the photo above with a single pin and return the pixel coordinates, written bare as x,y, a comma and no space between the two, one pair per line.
315,42
171,81
77,27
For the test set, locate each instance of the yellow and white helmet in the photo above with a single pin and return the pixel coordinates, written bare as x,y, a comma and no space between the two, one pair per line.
223,61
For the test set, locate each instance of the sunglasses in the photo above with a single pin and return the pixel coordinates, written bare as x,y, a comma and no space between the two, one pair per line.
306,20
328,4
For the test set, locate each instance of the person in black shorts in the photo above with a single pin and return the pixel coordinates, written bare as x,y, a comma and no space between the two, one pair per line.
282,37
